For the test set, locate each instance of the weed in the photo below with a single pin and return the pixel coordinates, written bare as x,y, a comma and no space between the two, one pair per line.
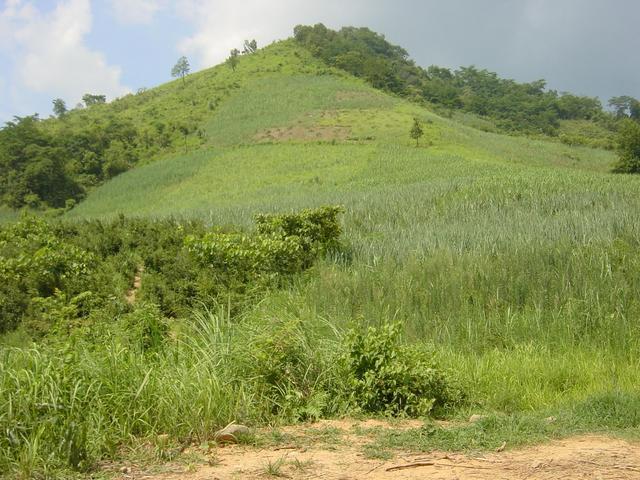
274,468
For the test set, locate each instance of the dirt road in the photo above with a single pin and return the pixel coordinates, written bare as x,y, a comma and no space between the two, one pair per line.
586,457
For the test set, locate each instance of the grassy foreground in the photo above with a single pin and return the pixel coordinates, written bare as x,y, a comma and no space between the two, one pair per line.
513,261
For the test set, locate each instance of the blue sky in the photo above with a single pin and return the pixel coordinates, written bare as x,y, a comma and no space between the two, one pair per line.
65,48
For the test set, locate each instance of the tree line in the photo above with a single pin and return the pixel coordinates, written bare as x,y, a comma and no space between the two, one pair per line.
524,107
528,108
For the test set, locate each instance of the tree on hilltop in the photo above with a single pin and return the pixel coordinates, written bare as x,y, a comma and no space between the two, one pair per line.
59,107
416,131
250,47
181,68
233,60
90,99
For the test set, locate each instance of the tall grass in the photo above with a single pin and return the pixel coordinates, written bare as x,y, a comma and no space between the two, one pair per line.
67,405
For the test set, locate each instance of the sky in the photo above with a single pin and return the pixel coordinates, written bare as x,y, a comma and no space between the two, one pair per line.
65,48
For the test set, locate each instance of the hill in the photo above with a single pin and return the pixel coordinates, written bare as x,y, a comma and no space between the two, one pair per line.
54,163
476,272
310,137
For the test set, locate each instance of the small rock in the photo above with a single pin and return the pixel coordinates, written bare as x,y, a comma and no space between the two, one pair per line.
550,420
125,470
230,433
476,418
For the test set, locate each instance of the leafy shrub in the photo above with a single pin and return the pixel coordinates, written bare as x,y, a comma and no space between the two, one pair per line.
284,245
35,263
247,257
318,230
383,376
628,148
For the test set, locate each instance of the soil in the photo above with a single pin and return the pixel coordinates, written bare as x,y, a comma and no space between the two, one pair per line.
130,296
311,133
585,457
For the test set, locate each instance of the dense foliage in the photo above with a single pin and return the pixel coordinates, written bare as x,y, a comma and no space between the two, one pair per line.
524,107
44,168
629,148
114,368
384,376
56,275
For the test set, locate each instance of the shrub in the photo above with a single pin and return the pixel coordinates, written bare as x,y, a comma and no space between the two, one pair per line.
286,364
318,229
383,376
629,148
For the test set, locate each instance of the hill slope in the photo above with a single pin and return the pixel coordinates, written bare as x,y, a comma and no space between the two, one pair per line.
477,242
304,134
512,263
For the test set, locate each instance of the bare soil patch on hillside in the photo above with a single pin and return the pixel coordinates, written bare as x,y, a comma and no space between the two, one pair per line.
337,450
303,133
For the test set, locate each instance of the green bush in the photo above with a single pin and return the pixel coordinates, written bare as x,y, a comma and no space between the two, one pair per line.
628,148
318,230
55,274
35,263
288,366
383,376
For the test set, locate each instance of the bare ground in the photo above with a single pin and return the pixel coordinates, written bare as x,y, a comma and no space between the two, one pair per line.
130,296
303,133
341,457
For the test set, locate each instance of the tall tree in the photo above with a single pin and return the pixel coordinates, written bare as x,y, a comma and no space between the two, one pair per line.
625,106
181,68
59,107
32,166
233,60
250,47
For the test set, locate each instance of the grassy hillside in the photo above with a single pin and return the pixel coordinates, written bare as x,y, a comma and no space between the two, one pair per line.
303,135
479,243
512,261
195,100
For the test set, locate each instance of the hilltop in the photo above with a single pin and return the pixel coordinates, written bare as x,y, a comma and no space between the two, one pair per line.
300,133
55,163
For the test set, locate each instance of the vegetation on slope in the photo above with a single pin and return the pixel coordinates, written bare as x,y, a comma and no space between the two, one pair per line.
522,107
497,274
53,163
45,163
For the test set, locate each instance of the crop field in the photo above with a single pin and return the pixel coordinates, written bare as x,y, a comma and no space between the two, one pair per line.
512,261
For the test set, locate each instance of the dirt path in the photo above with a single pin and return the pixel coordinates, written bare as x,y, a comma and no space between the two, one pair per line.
586,457
130,296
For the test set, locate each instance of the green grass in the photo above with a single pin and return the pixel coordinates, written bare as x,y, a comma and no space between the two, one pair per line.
612,413
485,246
514,260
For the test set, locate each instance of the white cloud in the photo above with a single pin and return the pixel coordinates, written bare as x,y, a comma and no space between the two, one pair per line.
48,53
134,12
221,25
